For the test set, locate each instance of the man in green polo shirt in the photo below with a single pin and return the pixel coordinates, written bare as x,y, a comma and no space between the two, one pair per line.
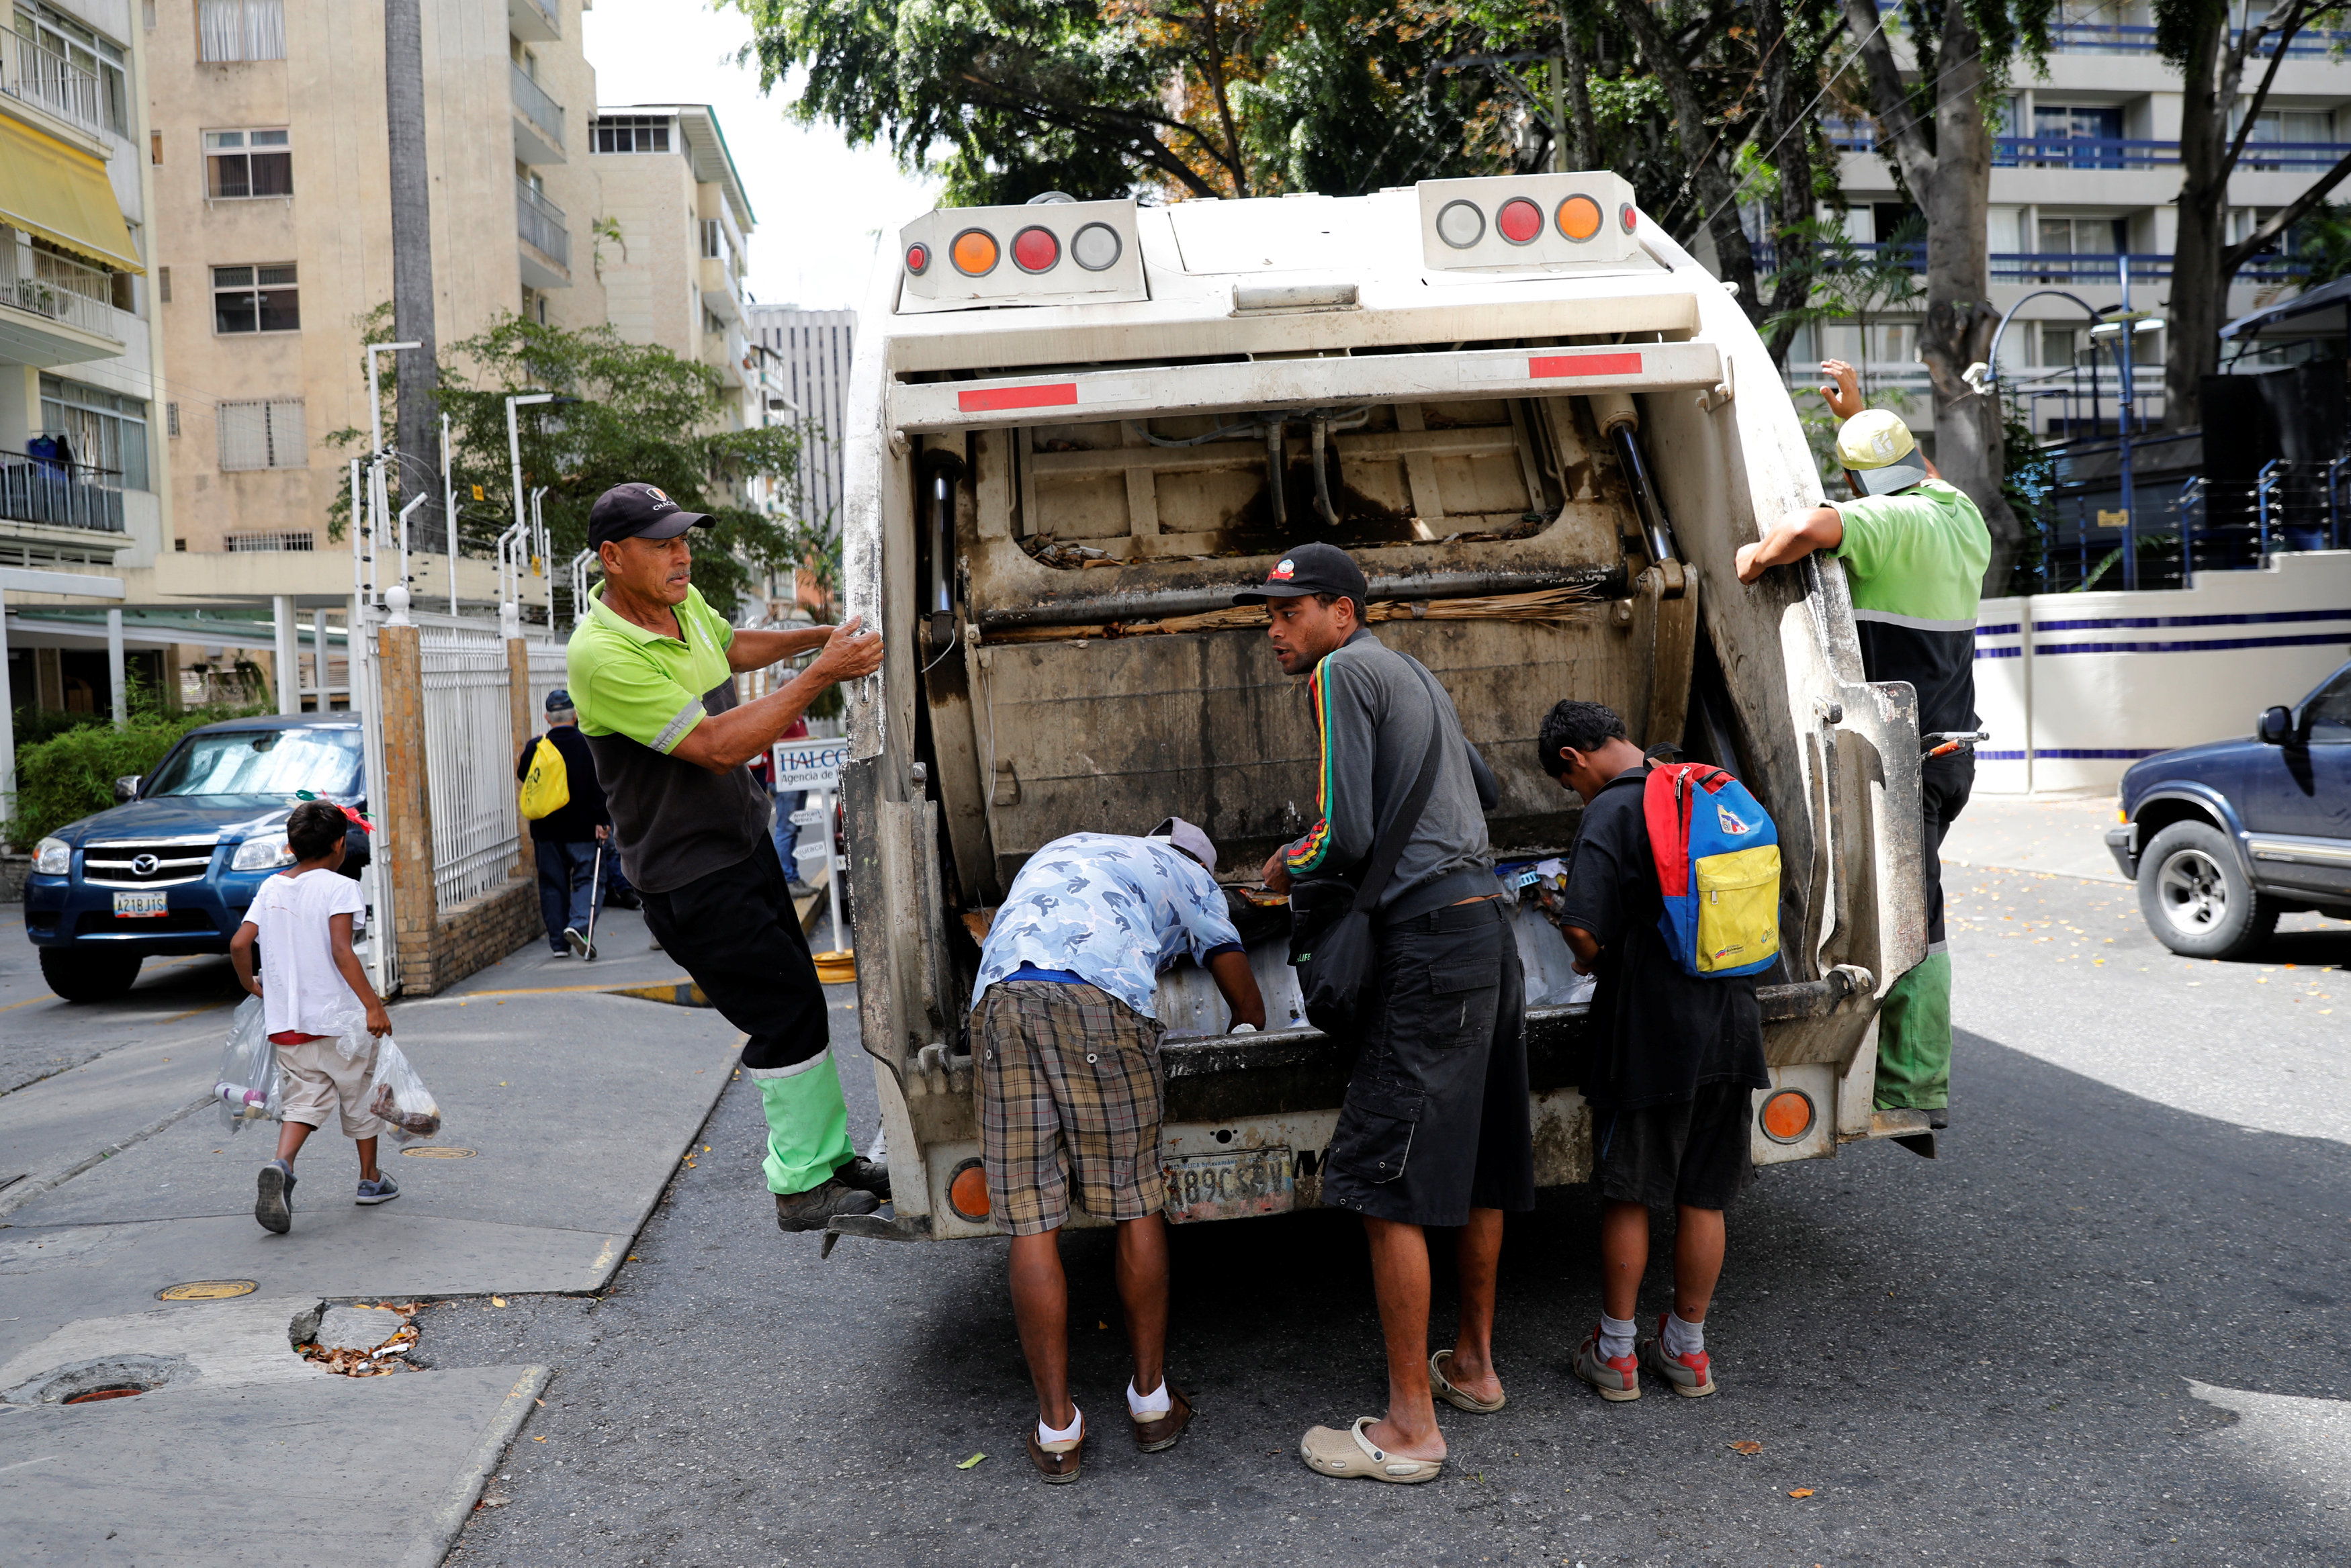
1915,551
651,672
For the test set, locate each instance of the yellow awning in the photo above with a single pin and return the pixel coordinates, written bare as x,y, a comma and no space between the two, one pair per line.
62,194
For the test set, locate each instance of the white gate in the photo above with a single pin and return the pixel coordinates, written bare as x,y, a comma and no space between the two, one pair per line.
469,760
547,672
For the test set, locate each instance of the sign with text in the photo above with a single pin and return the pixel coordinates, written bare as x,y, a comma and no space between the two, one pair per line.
810,764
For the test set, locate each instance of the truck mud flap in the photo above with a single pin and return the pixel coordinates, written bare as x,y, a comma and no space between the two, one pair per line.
883,1225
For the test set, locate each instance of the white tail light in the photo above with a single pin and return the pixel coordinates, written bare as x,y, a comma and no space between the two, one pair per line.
1528,221
1057,252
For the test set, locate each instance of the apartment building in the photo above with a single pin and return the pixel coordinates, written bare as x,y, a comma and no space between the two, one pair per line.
676,227
273,245
803,358
82,487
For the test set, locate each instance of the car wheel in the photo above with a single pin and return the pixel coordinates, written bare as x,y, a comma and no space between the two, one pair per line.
88,977
2195,896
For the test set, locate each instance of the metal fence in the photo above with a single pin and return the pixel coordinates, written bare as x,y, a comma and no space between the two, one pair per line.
468,746
547,671
541,223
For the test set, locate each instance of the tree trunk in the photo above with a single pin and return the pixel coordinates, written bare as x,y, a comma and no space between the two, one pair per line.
418,437
2196,304
1951,180
1578,71
1786,126
1710,186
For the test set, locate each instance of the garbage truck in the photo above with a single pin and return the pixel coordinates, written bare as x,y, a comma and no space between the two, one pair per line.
1076,428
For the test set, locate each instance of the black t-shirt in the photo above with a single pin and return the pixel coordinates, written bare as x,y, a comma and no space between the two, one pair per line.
575,822
1667,1033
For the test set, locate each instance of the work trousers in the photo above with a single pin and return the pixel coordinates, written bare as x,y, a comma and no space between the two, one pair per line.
566,894
1914,1024
737,934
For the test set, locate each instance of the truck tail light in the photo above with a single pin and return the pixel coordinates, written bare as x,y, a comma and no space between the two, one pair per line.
1787,1116
1102,237
918,259
1034,249
1579,218
1517,221
1520,221
974,253
967,1191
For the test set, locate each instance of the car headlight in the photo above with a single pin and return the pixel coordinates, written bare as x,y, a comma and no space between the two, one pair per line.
263,854
53,858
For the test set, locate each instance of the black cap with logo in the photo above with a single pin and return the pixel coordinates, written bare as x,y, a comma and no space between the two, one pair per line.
1314,568
634,511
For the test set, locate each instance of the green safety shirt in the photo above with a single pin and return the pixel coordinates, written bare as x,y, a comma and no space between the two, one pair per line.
1916,562
640,693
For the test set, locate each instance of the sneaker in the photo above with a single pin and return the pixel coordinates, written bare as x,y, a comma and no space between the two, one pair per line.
577,943
1619,1379
383,1190
560,952
866,1176
1691,1376
1939,1117
812,1210
273,1204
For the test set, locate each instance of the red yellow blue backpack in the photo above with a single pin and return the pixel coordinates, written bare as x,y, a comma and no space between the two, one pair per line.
1718,859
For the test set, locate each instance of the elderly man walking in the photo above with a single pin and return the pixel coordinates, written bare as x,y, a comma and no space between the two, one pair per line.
1065,1026
1915,551
1434,1129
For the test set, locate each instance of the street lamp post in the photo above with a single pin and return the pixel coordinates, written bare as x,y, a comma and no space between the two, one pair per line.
514,460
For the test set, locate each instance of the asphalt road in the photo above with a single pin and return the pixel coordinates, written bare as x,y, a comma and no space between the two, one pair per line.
2105,1327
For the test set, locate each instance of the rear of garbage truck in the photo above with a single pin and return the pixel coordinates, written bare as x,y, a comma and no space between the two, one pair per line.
1540,427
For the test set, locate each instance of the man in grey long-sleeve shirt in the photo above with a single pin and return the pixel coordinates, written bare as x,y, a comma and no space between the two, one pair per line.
1434,1129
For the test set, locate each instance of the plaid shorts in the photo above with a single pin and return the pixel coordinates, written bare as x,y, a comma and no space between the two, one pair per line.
1068,1086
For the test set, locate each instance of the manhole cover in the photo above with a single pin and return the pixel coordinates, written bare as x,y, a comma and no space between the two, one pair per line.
207,1290
437,1153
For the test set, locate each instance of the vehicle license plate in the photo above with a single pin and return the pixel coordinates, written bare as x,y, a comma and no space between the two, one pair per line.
1229,1185
130,906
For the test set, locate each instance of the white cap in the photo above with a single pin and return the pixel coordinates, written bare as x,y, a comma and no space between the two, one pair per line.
1187,838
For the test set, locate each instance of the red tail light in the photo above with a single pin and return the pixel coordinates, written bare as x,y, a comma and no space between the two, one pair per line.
918,257
1520,222
1035,250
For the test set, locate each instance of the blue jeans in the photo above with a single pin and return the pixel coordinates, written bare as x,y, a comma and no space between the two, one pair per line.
787,837
564,874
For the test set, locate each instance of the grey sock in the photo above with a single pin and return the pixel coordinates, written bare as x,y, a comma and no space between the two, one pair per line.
1616,1337
1683,1338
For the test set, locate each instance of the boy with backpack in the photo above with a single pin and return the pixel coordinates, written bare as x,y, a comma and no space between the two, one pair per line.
310,977
1672,1086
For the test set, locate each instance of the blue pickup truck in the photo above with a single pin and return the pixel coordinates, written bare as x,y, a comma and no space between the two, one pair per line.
2223,838
171,870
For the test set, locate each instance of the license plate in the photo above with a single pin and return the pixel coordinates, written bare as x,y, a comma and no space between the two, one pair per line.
139,905
1229,1185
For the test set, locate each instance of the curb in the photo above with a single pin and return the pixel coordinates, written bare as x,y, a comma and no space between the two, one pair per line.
442,1528
32,1187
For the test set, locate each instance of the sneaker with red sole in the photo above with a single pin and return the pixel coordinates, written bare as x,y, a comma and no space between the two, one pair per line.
1617,1379
1691,1376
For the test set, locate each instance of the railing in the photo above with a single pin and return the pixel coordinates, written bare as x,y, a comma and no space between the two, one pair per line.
38,74
2107,153
60,495
536,107
548,10
47,284
541,223
469,731
2038,267
2122,38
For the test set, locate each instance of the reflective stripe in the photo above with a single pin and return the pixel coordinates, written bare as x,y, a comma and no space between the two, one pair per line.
1934,948
1914,622
675,729
794,1071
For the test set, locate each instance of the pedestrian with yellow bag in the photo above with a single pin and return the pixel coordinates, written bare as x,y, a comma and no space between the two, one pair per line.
569,826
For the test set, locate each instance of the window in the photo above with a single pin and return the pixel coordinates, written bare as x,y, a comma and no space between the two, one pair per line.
262,435
2328,715
240,163
172,420
2081,236
103,429
631,133
2057,344
250,541
2294,127
73,69
255,299
164,283
231,30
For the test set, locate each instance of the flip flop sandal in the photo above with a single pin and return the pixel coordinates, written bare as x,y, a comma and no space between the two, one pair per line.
1459,1398
1330,1452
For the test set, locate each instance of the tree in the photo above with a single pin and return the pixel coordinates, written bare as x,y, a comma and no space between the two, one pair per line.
634,412
1936,132
2196,36
1843,283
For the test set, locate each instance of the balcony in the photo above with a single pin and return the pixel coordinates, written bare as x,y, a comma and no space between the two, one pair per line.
2037,269
2120,39
2104,152
538,121
53,310
54,494
534,21
545,242
721,294
37,75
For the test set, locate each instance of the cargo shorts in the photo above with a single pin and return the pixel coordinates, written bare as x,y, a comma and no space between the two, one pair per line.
1069,1089
319,1080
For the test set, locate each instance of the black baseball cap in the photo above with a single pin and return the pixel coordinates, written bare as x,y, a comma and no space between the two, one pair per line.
635,510
1315,568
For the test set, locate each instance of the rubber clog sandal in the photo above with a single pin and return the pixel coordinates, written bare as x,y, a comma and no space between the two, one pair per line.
1349,1454
1459,1398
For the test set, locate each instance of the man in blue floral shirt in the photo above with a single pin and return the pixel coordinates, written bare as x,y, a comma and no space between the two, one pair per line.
1065,1029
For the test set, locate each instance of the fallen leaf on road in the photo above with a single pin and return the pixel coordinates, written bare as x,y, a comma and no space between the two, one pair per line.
543,1439
494,1502
541,1403
971,1461
1800,1491
1749,1447
497,1301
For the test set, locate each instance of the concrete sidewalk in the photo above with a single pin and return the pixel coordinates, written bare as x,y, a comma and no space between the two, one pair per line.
2061,834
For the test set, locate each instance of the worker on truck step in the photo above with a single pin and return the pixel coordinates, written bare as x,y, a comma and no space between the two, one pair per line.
1064,1024
1434,1129
1914,550
651,672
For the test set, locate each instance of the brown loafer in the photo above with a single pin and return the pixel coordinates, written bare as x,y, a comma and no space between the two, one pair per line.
1161,1431
1056,1464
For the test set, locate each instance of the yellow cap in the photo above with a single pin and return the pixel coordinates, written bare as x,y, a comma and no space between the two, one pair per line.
1877,448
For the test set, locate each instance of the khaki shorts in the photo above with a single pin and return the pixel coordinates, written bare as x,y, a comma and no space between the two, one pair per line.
1068,1086
319,1078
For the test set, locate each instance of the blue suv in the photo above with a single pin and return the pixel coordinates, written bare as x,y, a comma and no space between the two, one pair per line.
2223,838
173,869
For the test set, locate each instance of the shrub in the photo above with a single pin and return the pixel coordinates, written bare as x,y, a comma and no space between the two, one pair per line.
71,774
